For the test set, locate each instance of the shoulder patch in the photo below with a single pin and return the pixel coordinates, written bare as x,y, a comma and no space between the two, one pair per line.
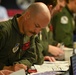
64,19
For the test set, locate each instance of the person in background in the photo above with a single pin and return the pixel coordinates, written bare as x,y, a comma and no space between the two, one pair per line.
62,3
17,44
64,25
59,5
46,35
3,13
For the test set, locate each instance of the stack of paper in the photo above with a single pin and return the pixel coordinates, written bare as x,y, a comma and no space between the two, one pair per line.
52,66
44,73
19,72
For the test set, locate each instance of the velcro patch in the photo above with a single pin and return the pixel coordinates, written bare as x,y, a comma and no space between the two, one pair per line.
26,46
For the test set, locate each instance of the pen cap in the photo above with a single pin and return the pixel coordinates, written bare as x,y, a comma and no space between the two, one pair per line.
62,46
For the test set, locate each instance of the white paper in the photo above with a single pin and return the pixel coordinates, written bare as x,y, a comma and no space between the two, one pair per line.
19,72
53,66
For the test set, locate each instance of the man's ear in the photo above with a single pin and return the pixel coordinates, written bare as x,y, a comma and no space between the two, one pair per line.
50,7
27,15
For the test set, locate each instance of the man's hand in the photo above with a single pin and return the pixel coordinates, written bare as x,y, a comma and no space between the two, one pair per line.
55,50
49,58
5,72
15,67
19,66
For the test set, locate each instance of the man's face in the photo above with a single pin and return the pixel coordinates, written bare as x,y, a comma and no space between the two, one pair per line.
35,24
62,3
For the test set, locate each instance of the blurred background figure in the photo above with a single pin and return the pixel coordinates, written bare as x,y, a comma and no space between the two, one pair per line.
16,6
63,24
3,13
46,35
59,5
24,4
62,3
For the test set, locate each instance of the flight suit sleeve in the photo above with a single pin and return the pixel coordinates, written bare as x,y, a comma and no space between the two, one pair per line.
45,47
34,54
2,42
51,40
39,51
62,29
44,41
29,57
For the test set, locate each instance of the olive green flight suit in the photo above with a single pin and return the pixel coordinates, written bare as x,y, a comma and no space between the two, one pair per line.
17,48
63,26
46,39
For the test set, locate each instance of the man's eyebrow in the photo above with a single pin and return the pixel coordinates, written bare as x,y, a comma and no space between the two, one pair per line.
37,25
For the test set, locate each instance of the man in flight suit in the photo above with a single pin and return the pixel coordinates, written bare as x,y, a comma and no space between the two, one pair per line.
46,35
17,44
63,24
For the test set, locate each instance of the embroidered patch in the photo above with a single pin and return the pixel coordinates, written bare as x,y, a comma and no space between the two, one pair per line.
64,20
15,49
26,46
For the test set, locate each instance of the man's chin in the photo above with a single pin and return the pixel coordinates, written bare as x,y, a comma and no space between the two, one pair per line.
29,35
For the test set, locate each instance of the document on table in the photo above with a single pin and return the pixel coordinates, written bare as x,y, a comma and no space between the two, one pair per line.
45,73
53,66
19,72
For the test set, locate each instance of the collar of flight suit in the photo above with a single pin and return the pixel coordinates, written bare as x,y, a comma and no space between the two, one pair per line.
71,13
15,23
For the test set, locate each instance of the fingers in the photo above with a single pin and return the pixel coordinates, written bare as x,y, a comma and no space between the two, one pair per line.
5,72
23,66
19,66
1,73
59,52
52,59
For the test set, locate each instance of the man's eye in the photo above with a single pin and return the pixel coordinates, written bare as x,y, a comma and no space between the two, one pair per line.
37,26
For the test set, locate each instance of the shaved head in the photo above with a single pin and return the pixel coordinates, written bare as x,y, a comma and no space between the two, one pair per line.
38,8
34,19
